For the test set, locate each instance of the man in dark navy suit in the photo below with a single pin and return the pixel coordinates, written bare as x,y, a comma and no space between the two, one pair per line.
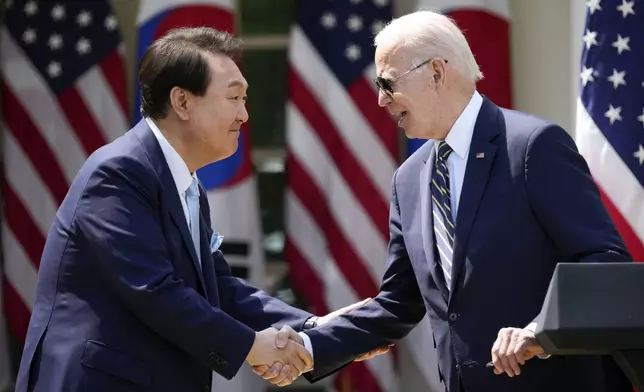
133,293
480,215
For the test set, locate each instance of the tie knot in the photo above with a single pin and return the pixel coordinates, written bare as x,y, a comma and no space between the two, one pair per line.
193,190
443,151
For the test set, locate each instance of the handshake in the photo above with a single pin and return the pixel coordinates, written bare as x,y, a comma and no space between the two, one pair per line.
280,356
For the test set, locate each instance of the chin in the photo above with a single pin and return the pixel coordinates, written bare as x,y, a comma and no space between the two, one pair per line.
220,154
412,133
420,130
232,150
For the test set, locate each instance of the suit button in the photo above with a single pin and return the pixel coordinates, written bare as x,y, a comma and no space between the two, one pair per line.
453,316
469,363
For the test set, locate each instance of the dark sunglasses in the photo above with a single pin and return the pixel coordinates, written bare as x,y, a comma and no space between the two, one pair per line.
387,85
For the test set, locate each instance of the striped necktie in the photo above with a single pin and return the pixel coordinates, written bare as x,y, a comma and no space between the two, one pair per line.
442,211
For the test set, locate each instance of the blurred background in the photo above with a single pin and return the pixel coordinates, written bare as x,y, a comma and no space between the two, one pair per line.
303,204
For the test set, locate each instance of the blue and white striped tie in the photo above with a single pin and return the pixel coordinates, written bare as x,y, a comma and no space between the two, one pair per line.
444,229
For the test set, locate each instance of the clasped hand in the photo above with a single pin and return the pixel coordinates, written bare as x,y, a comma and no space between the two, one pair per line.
283,352
283,373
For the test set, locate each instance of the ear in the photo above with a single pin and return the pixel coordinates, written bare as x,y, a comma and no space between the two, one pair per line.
179,102
438,71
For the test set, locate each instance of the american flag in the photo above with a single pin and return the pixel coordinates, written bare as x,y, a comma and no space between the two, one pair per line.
341,155
64,94
610,111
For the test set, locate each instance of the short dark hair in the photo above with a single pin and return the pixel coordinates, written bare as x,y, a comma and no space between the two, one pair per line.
177,59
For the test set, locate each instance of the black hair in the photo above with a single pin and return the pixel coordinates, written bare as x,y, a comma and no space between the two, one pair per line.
177,60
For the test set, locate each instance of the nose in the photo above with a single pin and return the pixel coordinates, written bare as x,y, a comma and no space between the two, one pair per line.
383,99
242,116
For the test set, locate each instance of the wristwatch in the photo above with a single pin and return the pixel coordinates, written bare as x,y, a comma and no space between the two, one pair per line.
311,322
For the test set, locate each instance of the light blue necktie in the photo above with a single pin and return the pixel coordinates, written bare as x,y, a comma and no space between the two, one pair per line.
192,200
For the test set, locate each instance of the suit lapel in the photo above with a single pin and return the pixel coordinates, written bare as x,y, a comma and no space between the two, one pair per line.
427,222
172,198
477,173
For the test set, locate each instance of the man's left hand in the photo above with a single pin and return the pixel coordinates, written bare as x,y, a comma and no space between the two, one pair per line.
374,353
512,348
325,319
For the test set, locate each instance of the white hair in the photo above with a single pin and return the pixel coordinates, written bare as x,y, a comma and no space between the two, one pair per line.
431,34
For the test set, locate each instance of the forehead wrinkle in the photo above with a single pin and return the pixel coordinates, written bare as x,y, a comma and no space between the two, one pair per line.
388,71
390,56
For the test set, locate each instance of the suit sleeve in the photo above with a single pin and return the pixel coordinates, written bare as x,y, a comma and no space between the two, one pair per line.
245,302
117,218
253,306
389,317
567,202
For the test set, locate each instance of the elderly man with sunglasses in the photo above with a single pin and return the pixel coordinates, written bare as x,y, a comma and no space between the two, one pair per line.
480,215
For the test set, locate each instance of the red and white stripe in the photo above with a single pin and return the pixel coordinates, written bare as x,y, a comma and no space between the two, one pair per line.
621,192
341,150
46,140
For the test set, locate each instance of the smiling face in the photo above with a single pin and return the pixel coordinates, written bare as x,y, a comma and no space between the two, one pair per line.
418,97
213,120
217,116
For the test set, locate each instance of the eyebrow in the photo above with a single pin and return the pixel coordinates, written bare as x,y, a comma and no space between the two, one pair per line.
386,75
236,83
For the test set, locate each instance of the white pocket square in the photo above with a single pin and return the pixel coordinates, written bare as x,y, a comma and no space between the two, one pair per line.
215,241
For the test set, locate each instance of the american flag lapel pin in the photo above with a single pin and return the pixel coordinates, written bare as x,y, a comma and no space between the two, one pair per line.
480,155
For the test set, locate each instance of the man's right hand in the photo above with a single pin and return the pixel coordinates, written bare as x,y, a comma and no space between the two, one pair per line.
289,361
271,373
282,340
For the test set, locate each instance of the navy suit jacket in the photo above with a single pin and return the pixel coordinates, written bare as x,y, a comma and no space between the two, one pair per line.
122,303
527,203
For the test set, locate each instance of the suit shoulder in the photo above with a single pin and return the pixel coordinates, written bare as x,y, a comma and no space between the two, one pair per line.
523,128
113,168
123,157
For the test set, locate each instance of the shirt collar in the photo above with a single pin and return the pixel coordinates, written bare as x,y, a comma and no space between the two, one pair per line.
178,168
460,136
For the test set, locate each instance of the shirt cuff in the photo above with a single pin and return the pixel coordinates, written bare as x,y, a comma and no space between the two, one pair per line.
533,327
307,344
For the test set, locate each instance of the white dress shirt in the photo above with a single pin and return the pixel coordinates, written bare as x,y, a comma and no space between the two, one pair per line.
307,343
459,139
178,168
